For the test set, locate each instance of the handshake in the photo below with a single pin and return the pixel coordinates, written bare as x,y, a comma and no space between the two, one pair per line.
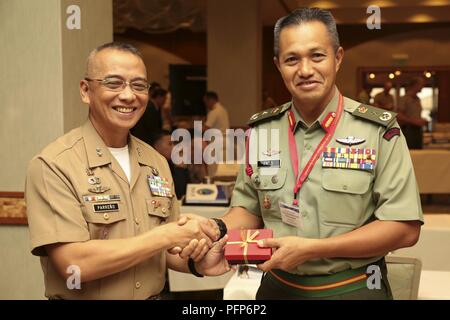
197,238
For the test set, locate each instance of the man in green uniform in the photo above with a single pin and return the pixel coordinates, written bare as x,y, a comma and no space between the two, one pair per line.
332,178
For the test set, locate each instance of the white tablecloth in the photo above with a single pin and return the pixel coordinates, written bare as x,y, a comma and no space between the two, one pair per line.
433,245
434,285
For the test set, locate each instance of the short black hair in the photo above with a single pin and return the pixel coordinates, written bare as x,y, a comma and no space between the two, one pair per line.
121,46
158,92
211,95
302,15
413,81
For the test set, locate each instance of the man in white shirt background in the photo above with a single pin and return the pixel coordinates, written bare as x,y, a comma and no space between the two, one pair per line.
217,116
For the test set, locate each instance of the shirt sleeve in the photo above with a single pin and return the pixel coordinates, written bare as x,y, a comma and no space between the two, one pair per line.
244,195
395,189
211,119
54,213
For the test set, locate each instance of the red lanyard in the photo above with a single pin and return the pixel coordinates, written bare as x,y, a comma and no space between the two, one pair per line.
329,124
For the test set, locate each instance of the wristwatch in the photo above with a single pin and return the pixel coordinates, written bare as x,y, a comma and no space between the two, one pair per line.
222,227
192,269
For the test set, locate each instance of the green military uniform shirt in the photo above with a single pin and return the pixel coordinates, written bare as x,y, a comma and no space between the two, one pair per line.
76,191
332,201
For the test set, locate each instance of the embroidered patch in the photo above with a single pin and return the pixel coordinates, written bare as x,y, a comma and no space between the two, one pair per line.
388,135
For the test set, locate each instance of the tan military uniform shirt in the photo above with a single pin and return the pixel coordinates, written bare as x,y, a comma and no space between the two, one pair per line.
76,191
332,201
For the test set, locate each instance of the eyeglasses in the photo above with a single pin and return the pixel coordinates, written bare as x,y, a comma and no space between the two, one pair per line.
117,84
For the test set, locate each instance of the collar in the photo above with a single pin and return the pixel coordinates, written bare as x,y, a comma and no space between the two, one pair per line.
96,150
98,153
138,151
331,107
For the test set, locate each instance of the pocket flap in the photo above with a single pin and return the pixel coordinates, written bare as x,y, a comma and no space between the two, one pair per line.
159,206
346,180
270,182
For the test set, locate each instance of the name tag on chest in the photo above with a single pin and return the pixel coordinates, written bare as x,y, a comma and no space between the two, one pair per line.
106,207
268,163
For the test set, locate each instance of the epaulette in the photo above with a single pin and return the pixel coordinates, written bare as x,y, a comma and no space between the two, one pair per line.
374,114
268,114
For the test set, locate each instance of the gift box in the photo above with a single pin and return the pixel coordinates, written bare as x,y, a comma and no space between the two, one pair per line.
242,247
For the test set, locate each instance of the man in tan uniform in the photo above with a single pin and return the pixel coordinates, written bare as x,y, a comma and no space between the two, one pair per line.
409,114
384,99
331,177
100,203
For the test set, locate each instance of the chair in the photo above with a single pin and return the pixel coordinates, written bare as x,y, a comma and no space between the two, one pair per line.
404,276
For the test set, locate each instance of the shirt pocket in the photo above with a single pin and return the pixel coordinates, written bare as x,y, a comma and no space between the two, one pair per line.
159,210
104,219
270,192
346,196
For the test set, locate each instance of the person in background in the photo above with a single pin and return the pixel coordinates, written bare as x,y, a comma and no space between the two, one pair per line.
364,95
151,121
162,143
409,114
217,116
268,102
384,99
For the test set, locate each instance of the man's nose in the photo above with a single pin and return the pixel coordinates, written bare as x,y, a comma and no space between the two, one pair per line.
305,69
127,94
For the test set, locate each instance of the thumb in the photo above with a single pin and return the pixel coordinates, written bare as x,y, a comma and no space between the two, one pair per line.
269,242
174,250
223,242
182,220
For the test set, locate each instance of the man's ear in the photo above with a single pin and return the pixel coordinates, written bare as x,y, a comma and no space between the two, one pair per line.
277,63
339,56
84,91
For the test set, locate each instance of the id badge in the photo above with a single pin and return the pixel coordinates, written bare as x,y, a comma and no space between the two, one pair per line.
290,214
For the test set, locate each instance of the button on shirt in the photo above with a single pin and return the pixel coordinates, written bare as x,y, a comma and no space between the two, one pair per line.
332,201
62,207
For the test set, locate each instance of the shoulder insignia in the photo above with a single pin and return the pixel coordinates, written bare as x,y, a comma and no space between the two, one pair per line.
374,114
268,114
390,133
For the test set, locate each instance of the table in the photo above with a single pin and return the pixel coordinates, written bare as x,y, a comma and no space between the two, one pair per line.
432,169
432,247
434,285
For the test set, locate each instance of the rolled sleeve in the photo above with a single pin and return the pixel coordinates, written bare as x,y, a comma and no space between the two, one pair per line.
54,212
395,189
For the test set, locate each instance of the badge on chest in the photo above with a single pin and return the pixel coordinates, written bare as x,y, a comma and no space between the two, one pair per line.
349,158
159,186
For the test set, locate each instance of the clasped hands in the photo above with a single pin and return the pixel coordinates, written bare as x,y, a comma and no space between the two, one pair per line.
207,252
198,238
